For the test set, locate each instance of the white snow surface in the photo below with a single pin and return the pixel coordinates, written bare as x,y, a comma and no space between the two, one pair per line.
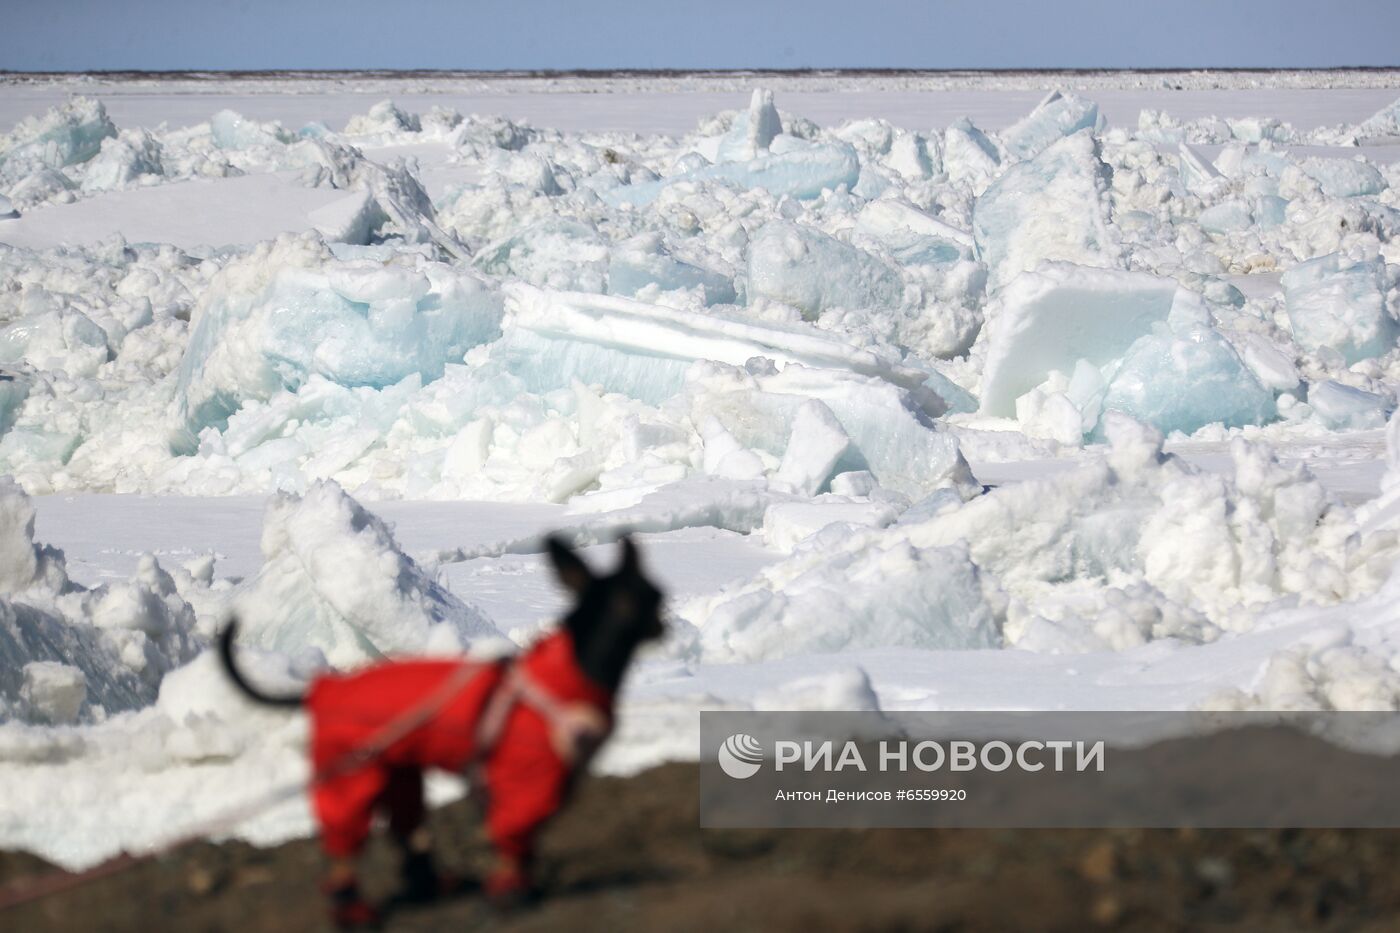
919,392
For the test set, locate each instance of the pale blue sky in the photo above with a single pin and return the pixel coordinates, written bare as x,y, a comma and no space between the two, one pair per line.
77,35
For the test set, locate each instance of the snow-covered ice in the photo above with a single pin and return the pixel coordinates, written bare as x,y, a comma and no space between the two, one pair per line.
941,392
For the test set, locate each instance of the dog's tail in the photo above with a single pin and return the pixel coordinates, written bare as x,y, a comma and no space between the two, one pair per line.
226,655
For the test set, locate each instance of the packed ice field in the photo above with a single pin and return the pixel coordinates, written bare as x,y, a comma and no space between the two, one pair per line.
939,392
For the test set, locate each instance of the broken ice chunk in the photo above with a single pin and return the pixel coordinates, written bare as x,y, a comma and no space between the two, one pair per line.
41,186
1043,412
1197,172
854,484
1182,382
14,389
812,271
1270,210
954,396
764,124
407,208
22,564
888,594
60,339
754,129
54,660
334,579
383,117
891,435
351,219
1050,319
888,217
1257,129
553,253
1056,116
1384,122
815,445
1271,366
123,159
533,173
725,456
65,135
845,690
390,200
1342,407
909,156
644,261
1052,207
969,157
289,311
53,693
749,136
232,130
798,169
1340,304
1345,178
1226,217
788,524
626,345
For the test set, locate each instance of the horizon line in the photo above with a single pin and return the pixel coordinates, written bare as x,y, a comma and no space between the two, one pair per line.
675,72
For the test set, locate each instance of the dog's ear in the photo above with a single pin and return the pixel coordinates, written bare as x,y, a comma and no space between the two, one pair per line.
631,557
572,572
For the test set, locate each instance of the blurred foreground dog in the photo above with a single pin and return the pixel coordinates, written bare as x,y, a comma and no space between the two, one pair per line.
521,728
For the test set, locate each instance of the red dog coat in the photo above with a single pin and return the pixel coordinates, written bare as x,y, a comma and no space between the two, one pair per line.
526,768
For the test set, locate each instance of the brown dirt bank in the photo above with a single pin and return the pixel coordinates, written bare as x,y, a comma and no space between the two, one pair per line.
629,855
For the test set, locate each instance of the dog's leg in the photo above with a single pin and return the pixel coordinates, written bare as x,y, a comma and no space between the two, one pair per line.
348,907
344,806
512,823
403,798
524,795
510,883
